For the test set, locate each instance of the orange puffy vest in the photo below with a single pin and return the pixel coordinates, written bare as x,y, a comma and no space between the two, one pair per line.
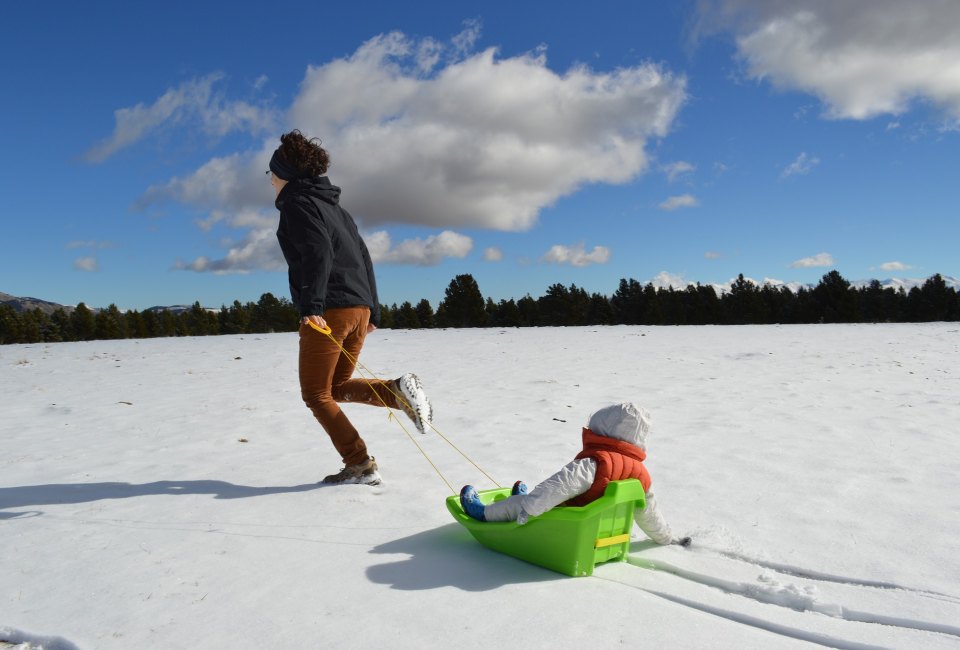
616,460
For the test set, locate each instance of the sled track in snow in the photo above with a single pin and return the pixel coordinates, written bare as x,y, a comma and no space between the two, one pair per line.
808,574
754,621
790,596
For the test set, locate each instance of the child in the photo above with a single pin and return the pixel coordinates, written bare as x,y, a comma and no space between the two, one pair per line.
614,448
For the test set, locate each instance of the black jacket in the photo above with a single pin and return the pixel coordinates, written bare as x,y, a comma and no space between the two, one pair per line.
329,265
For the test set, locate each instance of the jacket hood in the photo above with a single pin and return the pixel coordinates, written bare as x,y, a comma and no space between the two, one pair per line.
626,421
318,187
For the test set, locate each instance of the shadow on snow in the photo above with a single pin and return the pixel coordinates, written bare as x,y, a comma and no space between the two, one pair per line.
449,557
66,493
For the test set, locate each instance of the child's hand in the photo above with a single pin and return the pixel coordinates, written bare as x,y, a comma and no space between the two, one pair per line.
683,541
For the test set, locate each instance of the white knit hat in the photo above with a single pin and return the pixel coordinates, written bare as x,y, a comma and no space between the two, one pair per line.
626,421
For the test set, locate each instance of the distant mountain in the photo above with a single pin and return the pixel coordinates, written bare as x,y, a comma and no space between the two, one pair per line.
910,283
29,304
174,309
890,283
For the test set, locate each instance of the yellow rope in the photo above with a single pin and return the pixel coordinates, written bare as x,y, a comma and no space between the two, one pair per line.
400,398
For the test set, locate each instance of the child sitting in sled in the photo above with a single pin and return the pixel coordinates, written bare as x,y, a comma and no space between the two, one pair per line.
614,448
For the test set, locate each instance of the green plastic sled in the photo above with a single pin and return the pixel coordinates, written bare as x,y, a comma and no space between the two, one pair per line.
569,540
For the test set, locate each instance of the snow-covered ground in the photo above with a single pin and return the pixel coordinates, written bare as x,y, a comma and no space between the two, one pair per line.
162,493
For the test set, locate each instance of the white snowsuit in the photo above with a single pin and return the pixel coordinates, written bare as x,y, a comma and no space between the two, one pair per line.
625,422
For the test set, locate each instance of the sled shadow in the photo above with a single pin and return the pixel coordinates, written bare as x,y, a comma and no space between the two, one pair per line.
68,493
637,547
449,557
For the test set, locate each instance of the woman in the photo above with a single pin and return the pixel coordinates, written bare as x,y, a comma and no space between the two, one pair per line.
333,285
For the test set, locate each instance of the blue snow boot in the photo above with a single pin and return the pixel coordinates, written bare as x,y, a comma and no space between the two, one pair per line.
519,488
470,502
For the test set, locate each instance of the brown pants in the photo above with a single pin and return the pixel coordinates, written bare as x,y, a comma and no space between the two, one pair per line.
326,378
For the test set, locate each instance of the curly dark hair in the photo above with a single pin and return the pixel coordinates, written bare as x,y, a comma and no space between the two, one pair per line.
305,154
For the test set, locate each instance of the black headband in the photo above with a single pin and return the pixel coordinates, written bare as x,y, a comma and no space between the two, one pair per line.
282,169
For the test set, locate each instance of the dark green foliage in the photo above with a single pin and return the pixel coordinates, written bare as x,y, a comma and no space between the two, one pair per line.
463,304
425,313
833,300
386,317
933,301
109,323
234,320
627,302
272,314
563,306
81,320
405,317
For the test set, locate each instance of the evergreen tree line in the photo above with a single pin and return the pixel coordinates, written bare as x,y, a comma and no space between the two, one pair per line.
833,300
269,314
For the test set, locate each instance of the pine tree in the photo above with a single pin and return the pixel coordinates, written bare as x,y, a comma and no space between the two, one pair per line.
834,300
627,303
11,326
110,324
463,304
425,313
406,317
82,322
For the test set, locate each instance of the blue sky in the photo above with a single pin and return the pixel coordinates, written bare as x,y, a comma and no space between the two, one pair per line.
523,143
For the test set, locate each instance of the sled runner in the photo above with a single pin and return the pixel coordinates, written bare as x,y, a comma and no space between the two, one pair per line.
569,540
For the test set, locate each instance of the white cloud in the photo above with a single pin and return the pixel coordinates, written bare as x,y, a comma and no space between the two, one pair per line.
259,250
418,252
232,184
195,100
492,254
713,255
895,266
747,279
88,264
822,259
429,133
862,58
576,255
803,164
677,169
482,141
464,42
665,280
677,202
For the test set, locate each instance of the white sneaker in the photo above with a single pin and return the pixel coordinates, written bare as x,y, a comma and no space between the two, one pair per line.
414,401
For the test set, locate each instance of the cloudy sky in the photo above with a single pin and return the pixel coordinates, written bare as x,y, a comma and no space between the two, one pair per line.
525,144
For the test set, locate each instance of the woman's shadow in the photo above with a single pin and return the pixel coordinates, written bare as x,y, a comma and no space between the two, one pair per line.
66,493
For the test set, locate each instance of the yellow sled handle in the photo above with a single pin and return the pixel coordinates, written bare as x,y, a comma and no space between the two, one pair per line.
322,330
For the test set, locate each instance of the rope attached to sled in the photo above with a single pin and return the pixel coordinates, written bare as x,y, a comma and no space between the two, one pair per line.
392,416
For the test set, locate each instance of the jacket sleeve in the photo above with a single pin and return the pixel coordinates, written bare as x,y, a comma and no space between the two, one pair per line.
294,280
310,238
652,522
372,279
574,478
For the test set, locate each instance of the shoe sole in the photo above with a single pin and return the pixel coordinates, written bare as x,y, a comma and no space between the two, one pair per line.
369,479
411,386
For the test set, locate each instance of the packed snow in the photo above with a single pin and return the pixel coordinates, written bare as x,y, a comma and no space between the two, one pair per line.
163,493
